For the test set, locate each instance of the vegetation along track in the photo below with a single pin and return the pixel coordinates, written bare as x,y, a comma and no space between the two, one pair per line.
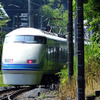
11,93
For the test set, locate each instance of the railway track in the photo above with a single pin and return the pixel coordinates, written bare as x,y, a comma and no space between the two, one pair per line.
10,94
14,93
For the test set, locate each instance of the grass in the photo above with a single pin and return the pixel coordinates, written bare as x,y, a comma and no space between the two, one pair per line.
42,96
92,75
92,78
68,88
1,80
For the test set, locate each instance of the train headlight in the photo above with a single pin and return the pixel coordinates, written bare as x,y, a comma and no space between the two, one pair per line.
9,60
31,61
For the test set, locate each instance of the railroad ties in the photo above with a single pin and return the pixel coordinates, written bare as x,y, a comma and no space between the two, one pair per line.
8,93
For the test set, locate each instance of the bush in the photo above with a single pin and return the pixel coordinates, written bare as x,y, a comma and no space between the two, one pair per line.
92,67
0,54
92,74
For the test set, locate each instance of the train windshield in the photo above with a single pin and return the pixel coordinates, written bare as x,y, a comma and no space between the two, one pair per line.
26,39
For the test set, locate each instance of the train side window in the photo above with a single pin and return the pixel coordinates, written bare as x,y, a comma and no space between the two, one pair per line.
49,52
57,53
39,39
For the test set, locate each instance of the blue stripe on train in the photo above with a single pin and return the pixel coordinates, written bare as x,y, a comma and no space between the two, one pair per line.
21,67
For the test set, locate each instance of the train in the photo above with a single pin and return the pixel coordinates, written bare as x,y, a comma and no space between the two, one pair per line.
31,56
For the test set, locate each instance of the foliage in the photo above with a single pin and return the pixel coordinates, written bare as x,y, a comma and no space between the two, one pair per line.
42,96
92,73
1,80
1,50
55,15
3,20
64,72
92,15
92,67
92,52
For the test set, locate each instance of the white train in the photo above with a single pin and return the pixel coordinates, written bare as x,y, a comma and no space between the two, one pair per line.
30,56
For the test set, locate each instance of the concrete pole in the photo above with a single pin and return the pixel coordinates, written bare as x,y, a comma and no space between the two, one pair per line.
80,52
30,14
70,38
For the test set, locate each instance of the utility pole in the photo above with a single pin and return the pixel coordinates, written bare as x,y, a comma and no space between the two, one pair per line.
30,13
41,18
70,38
80,52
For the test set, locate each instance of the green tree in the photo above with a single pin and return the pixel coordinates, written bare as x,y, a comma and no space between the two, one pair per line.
3,20
92,15
56,16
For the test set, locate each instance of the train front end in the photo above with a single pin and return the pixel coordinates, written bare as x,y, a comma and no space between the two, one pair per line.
22,58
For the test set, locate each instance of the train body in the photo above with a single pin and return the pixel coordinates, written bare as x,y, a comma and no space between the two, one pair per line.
29,55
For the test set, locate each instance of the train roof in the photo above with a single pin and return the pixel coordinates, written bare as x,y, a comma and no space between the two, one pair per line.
26,31
35,32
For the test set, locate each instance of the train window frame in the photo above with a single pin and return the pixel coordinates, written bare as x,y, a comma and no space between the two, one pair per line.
25,39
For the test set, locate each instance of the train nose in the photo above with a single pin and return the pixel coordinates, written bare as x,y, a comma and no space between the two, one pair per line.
22,54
